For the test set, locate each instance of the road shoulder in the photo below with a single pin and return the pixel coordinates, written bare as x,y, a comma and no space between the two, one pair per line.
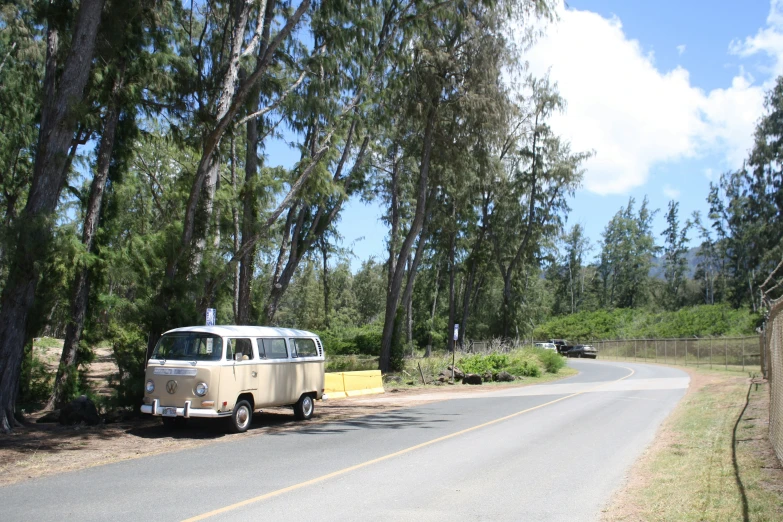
687,472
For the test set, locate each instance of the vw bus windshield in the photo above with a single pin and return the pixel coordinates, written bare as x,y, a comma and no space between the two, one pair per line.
189,346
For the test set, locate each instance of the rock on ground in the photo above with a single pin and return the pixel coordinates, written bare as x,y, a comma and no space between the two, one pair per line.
79,410
472,378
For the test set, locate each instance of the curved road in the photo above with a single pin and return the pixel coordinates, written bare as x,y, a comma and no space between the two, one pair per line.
548,452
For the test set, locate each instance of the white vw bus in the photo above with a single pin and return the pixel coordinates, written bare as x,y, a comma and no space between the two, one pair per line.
232,371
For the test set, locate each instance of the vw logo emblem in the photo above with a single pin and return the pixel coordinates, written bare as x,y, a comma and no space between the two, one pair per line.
171,386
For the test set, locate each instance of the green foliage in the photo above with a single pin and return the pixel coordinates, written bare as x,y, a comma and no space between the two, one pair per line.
129,349
350,363
524,363
552,361
35,384
699,321
675,263
480,363
48,342
364,340
626,256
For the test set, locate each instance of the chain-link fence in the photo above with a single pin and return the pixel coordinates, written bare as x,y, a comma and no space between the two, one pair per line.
772,350
740,353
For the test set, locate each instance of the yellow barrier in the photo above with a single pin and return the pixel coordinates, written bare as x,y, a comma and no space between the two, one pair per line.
351,384
334,386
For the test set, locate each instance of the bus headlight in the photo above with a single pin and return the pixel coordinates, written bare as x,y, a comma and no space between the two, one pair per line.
201,389
150,386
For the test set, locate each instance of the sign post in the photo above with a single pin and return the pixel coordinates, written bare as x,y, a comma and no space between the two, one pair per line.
454,350
211,314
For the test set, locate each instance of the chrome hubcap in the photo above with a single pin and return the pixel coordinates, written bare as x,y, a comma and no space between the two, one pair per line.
307,406
243,415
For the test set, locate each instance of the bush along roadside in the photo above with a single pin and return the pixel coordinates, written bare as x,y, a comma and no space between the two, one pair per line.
480,368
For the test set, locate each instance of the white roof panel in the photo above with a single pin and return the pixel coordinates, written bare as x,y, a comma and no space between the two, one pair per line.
231,330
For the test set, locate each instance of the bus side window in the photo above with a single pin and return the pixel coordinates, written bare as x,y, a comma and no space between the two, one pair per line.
244,349
261,352
230,349
275,349
305,348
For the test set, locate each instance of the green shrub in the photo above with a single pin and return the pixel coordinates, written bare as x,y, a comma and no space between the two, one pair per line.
480,364
525,363
368,341
130,354
699,321
35,383
336,343
524,368
551,360
348,341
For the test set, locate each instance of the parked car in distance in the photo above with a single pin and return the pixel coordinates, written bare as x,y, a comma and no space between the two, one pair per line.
546,346
561,345
582,350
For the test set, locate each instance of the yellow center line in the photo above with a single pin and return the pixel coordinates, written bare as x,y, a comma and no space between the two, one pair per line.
349,469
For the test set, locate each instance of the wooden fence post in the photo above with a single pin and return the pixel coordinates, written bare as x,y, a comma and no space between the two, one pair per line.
743,354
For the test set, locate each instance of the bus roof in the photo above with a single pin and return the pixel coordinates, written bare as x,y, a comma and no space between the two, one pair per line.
231,330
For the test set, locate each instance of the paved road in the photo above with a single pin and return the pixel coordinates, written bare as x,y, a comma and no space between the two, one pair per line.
547,452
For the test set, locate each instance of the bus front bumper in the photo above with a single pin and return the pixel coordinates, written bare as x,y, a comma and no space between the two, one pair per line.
171,411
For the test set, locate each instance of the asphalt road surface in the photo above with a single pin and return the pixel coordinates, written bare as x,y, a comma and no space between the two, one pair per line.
548,452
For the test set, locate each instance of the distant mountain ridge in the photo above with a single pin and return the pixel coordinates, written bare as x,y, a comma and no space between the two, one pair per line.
692,257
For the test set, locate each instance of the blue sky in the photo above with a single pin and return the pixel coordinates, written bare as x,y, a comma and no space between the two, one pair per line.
667,93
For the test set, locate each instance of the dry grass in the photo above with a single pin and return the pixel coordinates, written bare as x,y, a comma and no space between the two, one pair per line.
688,472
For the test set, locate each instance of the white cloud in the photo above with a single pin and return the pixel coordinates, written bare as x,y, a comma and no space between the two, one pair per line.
709,174
768,40
681,49
671,192
632,114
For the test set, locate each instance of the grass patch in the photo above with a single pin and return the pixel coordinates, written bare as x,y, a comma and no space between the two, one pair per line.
689,474
350,363
533,364
47,342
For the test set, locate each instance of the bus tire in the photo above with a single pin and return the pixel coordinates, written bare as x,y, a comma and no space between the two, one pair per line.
304,407
241,417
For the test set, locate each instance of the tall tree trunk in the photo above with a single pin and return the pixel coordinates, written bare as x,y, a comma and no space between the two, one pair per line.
393,296
469,281
235,219
325,256
408,304
35,228
413,267
81,284
428,352
473,265
249,221
303,236
395,218
452,269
